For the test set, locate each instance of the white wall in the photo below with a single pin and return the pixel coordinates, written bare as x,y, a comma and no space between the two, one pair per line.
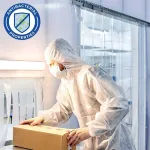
32,49
61,23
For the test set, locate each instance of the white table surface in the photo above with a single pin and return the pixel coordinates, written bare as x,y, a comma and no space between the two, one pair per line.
12,148
17,148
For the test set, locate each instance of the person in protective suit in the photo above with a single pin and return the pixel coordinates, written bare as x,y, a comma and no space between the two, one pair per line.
97,101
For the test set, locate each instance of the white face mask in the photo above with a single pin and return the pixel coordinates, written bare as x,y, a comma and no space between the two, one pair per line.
56,72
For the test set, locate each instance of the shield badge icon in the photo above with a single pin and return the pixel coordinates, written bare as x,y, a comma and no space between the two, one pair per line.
22,21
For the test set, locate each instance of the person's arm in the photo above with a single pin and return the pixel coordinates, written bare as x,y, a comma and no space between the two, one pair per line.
61,111
114,105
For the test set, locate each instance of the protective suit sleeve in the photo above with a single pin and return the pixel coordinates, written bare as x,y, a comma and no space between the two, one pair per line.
61,111
114,105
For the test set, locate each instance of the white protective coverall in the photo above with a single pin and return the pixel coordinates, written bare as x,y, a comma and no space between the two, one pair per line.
93,97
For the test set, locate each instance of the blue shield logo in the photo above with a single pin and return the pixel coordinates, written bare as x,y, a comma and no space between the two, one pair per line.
22,21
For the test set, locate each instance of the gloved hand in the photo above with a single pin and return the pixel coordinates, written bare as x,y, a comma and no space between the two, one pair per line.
33,121
78,135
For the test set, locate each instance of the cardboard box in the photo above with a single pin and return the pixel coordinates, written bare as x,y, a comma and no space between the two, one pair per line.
40,137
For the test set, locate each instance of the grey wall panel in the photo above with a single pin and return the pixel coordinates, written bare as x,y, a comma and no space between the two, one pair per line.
148,10
113,4
147,89
135,8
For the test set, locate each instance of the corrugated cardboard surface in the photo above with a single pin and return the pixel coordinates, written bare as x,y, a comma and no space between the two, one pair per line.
40,137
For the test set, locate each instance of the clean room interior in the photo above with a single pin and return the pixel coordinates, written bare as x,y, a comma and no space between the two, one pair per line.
108,34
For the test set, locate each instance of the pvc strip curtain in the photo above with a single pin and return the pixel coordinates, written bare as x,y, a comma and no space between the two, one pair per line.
20,99
5,104
113,44
26,97
2,129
